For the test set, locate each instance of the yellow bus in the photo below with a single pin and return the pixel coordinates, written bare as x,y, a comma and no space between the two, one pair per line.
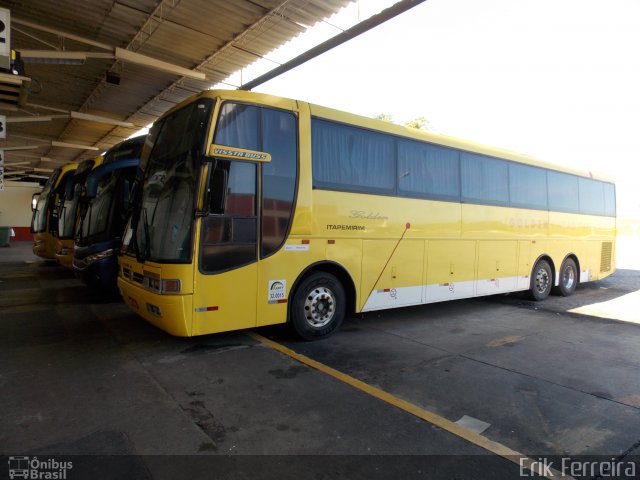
44,221
259,210
68,210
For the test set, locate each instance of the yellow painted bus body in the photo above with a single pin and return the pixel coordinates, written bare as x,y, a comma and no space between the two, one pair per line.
388,251
64,253
45,244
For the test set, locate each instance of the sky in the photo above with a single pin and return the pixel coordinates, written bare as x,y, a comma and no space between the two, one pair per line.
556,79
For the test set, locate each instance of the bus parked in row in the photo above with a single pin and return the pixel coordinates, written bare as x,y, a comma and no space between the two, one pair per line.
104,211
259,210
68,209
44,221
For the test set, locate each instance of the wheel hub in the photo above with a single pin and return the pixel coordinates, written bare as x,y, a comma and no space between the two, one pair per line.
568,277
542,280
319,307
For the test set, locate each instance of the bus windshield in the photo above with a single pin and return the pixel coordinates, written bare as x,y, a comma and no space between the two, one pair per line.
67,214
95,217
103,216
164,217
70,201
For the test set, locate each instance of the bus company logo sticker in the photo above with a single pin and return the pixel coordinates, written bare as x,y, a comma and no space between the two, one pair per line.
367,215
231,152
345,227
277,291
32,467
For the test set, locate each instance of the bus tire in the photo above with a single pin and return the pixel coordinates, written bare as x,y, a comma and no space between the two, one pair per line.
568,277
541,281
318,306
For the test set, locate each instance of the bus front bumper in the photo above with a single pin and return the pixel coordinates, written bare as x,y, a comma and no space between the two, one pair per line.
64,253
171,313
44,246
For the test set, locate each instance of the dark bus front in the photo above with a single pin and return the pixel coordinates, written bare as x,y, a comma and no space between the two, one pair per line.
104,211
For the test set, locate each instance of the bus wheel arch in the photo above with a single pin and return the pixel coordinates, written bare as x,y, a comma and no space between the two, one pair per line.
321,297
542,278
568,276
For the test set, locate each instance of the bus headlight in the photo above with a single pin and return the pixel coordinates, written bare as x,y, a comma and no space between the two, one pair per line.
81,263
151,283
158,285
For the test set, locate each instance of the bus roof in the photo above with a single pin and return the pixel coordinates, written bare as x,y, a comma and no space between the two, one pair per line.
69,167
391,128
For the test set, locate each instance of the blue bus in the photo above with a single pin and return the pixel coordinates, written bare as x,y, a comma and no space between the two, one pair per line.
104,211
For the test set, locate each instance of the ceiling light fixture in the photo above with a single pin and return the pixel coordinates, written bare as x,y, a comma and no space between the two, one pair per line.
26,147
53,57
14,164
35,118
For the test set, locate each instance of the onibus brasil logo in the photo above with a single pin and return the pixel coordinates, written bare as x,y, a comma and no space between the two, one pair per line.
33,468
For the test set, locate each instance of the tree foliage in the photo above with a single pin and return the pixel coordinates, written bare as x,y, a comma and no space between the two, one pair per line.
421,123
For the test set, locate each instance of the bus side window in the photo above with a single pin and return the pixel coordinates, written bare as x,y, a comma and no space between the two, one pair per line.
229,236
217,191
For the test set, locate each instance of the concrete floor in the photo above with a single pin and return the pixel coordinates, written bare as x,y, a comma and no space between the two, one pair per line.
81,375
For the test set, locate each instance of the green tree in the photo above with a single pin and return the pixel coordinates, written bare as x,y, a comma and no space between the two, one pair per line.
385,117
421,123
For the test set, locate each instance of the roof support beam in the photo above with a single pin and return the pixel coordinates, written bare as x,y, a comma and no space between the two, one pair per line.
72,145
129,56
60,33
70,57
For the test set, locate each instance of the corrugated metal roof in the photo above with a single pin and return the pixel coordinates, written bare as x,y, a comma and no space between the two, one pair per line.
217,37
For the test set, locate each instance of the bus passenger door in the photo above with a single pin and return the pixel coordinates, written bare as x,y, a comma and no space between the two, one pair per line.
226,277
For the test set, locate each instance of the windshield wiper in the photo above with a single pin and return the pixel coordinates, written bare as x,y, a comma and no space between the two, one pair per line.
85,211
147,237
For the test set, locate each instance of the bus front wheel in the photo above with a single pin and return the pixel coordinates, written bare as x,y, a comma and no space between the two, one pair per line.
541,281
568,278
318,306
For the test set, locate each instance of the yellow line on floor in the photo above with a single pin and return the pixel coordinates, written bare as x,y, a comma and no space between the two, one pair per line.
441,422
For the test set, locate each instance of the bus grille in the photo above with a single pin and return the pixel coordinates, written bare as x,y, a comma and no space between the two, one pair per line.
605,257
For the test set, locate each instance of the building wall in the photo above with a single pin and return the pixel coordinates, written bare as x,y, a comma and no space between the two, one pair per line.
15,207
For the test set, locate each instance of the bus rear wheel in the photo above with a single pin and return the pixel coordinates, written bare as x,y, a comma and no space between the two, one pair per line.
568,278
541,281
318,306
